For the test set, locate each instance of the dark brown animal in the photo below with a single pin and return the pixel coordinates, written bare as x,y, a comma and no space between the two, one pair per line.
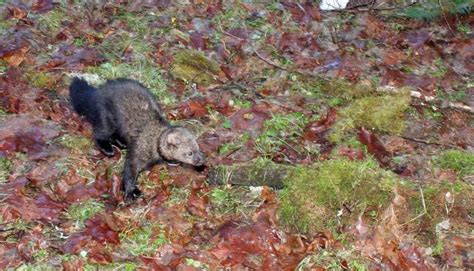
124,113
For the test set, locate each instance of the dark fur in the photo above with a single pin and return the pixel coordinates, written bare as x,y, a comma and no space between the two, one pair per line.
124,113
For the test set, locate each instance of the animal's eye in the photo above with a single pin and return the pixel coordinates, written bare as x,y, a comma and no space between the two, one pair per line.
190,153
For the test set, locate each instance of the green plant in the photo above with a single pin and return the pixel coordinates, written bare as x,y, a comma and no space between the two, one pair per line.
5,168
428,10
224,201
279,131
81,211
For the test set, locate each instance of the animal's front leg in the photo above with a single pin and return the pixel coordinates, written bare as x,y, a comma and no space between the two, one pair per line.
133,167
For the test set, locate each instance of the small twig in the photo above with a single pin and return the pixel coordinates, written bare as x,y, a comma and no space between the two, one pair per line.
301,7
426,142
313,74
232,151
270,63
444,16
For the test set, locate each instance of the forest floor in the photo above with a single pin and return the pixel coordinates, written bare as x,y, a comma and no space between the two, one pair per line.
370,114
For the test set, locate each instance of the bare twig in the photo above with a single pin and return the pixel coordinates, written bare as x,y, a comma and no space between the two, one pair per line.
428,142
444,16
269,62
304,73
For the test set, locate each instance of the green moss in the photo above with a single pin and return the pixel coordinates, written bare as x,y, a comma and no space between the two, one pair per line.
314,195
460,161
346,90
80,212
194,66
5,169
143,240
279,130
383,113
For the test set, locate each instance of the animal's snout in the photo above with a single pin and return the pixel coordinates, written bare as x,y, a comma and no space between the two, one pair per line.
199,159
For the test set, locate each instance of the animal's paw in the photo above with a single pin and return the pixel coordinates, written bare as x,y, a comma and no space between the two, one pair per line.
106,148
132,194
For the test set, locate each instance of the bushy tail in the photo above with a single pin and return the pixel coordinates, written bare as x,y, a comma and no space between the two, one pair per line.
83,99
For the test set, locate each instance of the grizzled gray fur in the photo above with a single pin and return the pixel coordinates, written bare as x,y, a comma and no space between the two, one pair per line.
124,113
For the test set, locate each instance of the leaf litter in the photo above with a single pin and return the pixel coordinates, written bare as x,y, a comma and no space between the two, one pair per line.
252,79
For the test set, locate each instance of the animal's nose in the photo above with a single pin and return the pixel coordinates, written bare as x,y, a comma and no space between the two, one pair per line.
200,159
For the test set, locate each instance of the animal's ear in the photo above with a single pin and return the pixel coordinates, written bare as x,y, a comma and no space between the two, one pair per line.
173,140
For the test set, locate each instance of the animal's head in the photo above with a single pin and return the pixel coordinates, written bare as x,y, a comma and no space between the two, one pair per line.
180,144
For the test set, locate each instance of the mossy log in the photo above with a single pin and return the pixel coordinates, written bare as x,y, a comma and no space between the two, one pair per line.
257,172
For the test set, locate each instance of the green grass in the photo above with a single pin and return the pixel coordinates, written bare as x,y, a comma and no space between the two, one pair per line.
280,130
5,169
432,9
82,211
460,161
50,22
77,143
224,201
143,240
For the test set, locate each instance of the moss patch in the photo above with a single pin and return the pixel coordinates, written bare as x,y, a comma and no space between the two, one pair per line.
383,113
346,90
460,161
194,66
313,196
